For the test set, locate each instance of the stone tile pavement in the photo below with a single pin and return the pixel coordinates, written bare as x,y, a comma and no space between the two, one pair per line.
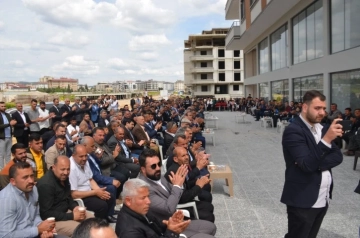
256,159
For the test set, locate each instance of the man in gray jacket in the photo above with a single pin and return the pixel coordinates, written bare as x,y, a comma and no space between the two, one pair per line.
165,196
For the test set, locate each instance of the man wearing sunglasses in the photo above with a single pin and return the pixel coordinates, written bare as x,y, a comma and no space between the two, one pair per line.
165,195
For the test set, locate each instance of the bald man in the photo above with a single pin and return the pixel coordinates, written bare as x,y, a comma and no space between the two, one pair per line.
55,198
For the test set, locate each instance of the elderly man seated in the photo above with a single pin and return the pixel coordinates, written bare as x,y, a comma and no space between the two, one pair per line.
165,196
134,220
55,198
193,186
83,185
124,158
19,208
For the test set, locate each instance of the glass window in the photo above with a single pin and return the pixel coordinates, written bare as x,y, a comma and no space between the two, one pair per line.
221,53
280,90
221,64
221,76
308,33
345,89
236,64
236,87
203,52
301,85
204,88
345,24
221,89
279,48
263,56
237,76
203,76
264,91
203,64
236,53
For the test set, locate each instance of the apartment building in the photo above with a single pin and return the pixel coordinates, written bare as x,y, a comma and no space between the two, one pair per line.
61,82
291,46
210,69
179,86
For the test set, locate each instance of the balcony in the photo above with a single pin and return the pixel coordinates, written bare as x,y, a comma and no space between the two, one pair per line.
232,10
260,22
202,70
201,57
202,81
234,35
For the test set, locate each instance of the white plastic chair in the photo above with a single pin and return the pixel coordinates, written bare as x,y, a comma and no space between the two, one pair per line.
189,204
81,204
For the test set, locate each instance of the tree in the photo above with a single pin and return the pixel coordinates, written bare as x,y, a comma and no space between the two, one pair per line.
86,88
68,89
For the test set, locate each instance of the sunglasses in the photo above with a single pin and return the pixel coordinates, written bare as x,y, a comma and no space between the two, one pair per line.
153,166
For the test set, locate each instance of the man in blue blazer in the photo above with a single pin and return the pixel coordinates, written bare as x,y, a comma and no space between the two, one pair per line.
310,154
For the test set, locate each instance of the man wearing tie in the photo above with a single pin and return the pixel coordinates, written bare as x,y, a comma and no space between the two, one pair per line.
56,111
136,148
125,158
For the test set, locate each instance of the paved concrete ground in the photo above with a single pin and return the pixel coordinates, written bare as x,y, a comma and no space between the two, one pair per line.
255,156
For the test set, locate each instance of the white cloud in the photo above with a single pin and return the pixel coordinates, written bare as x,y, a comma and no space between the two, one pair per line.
16,63
72,12
2,25
148,56
78,65
116,63
148,42
67,38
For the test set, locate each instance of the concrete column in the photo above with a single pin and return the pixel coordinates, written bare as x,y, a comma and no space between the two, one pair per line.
291,90
247,13
326,50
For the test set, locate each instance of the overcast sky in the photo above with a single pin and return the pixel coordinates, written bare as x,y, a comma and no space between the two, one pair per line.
100,41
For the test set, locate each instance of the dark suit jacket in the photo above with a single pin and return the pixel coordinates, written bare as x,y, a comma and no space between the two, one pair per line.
121,158
97,175
3,126
168,139
101,122
70,112
191,190
305,160
151,132
20,125
129,136
56,111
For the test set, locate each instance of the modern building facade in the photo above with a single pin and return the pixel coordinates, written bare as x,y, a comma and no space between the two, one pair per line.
209,69
179,86
291,46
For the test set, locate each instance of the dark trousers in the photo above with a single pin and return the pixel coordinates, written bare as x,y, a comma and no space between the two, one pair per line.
122,177
205,194
304,222
133,168
112,201
205,211
43,130
24,139
98,206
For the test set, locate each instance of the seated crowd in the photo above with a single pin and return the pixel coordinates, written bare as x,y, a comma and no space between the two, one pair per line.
94,153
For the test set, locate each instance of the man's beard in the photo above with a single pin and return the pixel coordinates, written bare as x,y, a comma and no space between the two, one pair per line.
155,176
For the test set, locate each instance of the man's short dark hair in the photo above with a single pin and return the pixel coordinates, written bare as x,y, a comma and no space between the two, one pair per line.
55,99
16,146
334,104
16,166
170,125
97,129
61,137
58,126
34,137
176,138
144,154
42,103
126,121
311,95
348,109
83,229
34,100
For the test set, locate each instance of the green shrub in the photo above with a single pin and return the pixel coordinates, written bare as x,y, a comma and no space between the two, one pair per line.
10,105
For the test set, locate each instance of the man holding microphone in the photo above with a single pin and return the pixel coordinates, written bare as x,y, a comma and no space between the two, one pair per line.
310,154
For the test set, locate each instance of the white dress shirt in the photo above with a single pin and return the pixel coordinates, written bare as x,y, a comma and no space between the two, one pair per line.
43,114
324,191
23,118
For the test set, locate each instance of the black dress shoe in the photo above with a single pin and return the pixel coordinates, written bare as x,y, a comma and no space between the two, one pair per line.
111,219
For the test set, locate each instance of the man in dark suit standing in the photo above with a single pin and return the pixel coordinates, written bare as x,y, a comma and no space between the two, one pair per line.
70,111
309,153
5,135
56,111
21,128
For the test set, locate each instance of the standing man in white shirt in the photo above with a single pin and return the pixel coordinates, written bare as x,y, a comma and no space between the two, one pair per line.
73,129
310,154
44,124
